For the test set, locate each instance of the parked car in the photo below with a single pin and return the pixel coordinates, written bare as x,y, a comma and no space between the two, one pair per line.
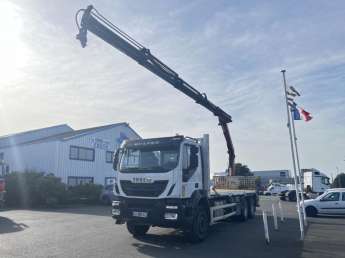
107,195
330,202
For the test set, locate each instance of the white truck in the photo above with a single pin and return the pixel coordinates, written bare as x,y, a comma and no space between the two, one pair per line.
314,184
315,181
165,181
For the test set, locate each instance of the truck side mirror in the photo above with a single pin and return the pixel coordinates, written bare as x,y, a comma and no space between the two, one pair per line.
193,163
116,158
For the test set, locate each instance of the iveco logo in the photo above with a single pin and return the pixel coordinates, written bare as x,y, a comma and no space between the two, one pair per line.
141,180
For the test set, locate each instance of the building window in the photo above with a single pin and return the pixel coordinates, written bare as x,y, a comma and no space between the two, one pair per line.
81,153
282,174
109,156
79,180
1,156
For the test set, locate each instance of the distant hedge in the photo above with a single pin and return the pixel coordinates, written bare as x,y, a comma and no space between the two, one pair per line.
36,189
339,181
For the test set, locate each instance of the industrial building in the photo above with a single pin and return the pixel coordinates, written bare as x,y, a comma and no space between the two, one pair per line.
76,156
279,176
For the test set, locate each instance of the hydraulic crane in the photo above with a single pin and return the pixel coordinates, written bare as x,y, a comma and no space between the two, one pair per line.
94,22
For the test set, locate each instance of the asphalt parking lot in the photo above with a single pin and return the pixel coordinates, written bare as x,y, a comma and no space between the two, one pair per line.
90,232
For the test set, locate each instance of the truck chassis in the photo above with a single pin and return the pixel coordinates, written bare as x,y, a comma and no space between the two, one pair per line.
192,215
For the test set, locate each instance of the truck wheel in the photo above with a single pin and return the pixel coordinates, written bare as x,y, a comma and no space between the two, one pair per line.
244,211
137,229
292,196
199,230
251,208
311,211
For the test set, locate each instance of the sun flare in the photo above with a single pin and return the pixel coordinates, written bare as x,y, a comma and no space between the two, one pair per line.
13,51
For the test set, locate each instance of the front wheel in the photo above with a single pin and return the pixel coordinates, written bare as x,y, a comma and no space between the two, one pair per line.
292,196
243,216
252,208
137,229
199,230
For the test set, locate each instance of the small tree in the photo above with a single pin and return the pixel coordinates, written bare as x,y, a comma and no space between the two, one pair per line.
242,170
339,181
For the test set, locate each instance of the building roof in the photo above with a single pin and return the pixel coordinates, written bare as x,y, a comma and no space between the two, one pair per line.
67,135
22,137
270,171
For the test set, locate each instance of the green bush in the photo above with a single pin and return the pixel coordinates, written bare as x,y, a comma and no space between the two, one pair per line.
33,189
37,189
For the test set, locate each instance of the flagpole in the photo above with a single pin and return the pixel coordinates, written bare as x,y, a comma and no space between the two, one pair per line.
293,159
301,179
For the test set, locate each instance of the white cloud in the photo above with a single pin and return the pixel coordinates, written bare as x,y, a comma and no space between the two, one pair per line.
232,52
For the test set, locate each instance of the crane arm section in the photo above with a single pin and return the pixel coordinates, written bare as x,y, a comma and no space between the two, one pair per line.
94,22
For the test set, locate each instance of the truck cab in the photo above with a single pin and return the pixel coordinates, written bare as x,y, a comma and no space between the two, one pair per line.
165,182
162,174
160,168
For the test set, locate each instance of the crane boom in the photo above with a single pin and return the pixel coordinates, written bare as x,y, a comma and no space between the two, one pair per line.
94,22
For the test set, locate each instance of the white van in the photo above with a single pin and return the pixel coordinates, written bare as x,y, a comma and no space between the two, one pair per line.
330,202
276,189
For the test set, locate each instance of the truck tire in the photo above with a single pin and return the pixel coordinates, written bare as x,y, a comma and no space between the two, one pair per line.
292,196
251,208
311,211
199,229
244,211
137,229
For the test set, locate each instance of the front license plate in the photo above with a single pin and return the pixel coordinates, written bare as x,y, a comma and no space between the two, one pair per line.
140,214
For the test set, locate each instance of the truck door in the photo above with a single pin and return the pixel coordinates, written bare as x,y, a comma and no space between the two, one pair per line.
330,203
191,170
324,184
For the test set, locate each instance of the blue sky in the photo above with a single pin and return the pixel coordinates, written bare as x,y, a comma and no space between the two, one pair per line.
232,50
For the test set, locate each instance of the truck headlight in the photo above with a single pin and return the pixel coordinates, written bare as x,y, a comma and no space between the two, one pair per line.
170,216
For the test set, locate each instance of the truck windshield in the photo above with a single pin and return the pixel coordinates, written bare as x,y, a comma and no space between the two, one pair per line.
149,159
325,180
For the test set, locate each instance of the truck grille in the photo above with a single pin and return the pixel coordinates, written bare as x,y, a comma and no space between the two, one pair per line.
143,189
